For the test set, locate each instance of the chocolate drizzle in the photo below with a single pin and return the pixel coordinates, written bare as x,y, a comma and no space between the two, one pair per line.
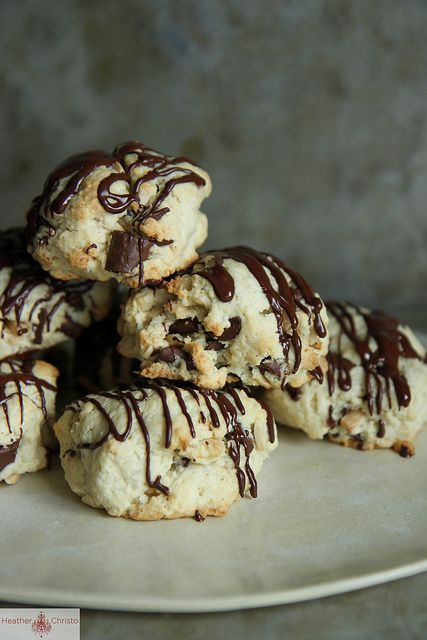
217,404
220,279
8,453
380,362
381,429
127,249
76,168
317,373
339,369
25,276
284,298
379,346
15,375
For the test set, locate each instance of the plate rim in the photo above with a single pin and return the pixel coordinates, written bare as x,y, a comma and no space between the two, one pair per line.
54,597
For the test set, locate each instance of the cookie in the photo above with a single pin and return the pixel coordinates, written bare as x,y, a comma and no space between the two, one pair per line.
236,315
156,451
374,393
36,311
27,407
133,215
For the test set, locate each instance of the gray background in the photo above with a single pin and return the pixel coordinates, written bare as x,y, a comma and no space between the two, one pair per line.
309,115
311,118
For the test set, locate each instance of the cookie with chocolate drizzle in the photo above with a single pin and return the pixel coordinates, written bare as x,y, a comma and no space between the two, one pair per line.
235,315
165,450
133,215
27,408
374,392
37,311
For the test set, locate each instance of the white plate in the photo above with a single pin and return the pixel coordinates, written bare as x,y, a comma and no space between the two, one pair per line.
327,520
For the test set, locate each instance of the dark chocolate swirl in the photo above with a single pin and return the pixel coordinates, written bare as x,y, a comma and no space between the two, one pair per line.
215,403
128,249
285,298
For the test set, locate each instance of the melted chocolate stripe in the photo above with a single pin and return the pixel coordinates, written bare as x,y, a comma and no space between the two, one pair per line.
166,413
184,410
283,300
220,279
156,484
235,438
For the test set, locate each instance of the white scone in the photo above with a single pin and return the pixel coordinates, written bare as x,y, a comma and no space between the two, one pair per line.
236,315
133,215
374,394
156,451
36,311
27,409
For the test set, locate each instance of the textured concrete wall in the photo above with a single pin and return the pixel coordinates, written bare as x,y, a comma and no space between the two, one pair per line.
309,114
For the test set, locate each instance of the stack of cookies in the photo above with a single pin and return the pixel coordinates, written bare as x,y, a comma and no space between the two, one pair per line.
171,428
197,350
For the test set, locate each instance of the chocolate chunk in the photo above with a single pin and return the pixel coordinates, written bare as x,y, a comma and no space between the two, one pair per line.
184,327
166,355
233,330
125,252
169,354
214,345
270,366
